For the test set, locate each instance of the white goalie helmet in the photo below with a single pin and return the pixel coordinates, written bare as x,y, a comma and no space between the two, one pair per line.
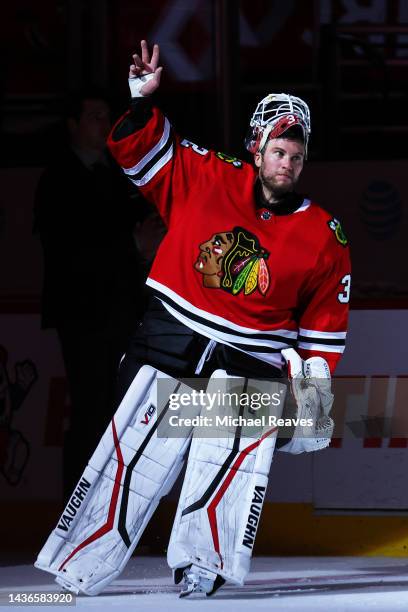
275,114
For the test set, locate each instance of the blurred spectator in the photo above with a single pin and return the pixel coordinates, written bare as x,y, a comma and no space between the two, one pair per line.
85,214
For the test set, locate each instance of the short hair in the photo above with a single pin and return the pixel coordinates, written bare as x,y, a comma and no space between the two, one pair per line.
293,133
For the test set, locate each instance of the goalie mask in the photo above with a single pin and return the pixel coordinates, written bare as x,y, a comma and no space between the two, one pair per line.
275,114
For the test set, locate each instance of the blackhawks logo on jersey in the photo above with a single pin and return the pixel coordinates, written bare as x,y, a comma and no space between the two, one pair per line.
335,225
235,261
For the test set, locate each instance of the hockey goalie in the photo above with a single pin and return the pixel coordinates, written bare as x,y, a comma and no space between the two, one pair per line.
138,461
251,281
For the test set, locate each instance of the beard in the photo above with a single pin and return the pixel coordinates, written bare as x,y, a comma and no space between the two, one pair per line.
277,190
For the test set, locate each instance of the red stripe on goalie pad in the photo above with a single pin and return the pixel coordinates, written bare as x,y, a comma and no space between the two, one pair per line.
211,510
113,502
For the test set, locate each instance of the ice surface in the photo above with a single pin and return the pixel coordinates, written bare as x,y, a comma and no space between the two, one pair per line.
338,584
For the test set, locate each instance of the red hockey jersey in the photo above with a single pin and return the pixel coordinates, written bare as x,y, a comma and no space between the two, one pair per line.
240,275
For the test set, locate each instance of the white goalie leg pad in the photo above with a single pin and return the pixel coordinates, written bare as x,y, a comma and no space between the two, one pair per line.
225,484
130,470
311,387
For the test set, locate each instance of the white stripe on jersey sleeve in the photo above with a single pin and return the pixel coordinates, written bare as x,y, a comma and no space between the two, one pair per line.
311,333
310,346
154,170
153,151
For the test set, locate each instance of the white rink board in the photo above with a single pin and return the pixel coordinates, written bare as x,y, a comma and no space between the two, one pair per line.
354,477
377,343
40,418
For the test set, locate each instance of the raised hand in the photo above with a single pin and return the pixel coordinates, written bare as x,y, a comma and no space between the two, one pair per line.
145,65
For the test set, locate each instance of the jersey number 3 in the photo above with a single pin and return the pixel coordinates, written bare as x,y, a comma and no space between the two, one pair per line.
344,296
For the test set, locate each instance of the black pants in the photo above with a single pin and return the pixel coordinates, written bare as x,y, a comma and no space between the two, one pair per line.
167,345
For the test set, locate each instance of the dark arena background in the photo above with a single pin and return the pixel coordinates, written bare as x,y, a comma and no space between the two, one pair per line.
334,529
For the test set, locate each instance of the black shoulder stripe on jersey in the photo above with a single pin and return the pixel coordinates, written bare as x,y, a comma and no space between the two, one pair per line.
154,160
320,340
227,330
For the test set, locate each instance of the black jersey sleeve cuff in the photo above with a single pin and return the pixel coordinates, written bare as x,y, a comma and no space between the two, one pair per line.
139,114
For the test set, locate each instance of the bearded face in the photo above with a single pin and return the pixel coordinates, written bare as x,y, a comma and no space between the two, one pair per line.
280,166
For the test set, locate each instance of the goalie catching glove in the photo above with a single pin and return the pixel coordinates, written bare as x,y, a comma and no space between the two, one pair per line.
311,387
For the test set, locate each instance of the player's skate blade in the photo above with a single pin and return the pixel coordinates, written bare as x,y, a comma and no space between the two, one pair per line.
197,580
